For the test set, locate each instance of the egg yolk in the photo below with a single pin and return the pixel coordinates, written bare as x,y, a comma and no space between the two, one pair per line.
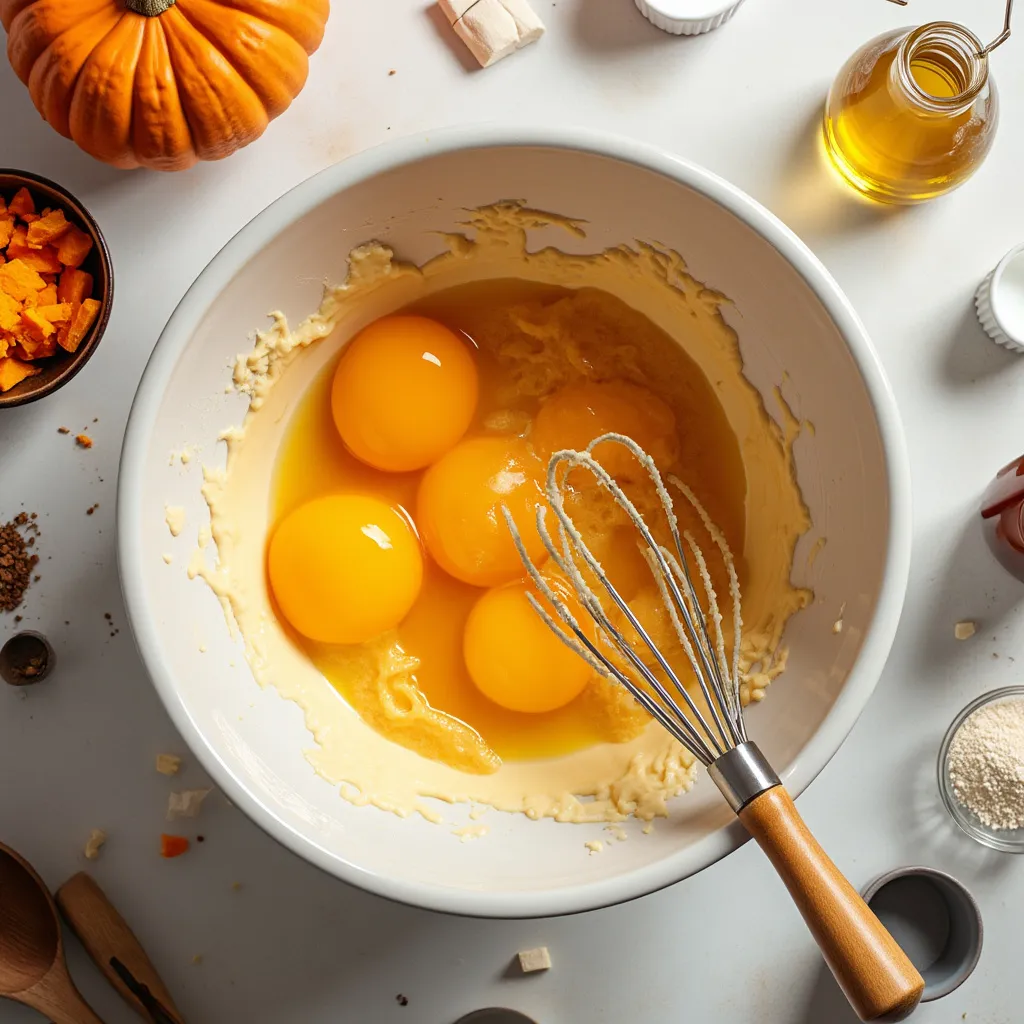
513,657
344,568
405,391
459,509
574,416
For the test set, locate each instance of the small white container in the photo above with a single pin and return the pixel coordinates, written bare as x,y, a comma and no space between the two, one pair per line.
1000,301
688,17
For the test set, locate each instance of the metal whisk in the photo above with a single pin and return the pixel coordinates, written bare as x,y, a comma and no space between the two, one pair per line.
879,980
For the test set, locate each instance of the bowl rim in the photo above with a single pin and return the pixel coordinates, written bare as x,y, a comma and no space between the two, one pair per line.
965,820
85,350
299,201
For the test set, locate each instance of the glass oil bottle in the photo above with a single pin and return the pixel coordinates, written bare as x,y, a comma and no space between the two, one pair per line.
913,114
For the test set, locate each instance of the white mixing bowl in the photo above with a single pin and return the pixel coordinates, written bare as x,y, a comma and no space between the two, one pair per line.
791,317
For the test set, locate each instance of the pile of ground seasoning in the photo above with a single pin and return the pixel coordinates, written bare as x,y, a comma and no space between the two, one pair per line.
17,560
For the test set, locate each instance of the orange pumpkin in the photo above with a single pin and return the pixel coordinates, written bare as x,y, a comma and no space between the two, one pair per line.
162,83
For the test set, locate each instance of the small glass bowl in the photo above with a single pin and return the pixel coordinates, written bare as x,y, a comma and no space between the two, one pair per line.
1006,840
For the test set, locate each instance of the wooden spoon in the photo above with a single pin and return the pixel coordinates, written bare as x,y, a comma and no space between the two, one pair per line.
32,966
107,939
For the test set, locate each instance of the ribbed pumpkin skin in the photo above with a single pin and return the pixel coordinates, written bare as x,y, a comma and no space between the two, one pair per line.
195,82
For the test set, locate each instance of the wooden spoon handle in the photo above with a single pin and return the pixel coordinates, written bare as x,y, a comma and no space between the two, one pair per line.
105,935
57,998
876,975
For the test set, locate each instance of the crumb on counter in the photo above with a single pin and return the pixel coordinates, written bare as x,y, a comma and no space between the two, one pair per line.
538,959
168,764
594,846
173,846
964,630
93,845
186,804
83,440
63,430
197,959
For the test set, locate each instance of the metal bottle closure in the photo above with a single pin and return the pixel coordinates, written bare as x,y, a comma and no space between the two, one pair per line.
999,39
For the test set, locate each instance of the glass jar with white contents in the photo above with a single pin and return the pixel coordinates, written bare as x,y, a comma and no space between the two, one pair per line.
981,770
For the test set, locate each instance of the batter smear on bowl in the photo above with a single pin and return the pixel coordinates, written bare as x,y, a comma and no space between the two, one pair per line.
454,690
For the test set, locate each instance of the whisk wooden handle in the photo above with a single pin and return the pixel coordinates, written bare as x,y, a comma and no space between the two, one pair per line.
879,980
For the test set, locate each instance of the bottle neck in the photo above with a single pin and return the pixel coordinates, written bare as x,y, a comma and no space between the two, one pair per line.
939,68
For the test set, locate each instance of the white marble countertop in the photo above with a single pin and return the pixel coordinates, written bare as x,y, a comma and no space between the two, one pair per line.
293,945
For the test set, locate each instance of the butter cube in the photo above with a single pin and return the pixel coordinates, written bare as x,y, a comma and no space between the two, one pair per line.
531,960
492,29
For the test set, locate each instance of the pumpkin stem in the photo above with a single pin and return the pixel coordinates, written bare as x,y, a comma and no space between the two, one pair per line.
149,8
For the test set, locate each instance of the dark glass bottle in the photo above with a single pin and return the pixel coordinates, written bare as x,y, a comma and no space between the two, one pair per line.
1002,515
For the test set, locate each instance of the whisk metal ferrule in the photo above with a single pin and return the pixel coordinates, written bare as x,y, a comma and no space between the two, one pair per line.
742,774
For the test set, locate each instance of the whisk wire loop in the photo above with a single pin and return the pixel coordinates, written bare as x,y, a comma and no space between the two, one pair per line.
708,732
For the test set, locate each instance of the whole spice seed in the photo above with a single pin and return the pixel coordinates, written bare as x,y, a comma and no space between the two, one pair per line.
16,562
986,764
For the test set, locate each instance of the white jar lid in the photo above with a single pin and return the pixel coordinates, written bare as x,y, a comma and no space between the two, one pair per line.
1000,301
688,17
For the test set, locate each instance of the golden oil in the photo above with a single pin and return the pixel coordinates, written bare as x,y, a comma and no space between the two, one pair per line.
912,114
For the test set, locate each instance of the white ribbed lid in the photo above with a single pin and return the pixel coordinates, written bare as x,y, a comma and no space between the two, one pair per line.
1000,301
688,17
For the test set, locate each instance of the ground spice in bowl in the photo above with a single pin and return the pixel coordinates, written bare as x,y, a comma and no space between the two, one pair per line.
986,764
17,560
981,770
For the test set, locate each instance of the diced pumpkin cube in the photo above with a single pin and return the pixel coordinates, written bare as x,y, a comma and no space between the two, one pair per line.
48,228
5,343
36,325
14,371
31,349
42,261
56,312
17,245
6,230
75,285
73,246
82,318
47,296
3,205
22,203
19,280
10,312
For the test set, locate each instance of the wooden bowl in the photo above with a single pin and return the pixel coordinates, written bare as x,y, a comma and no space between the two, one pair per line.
58,369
